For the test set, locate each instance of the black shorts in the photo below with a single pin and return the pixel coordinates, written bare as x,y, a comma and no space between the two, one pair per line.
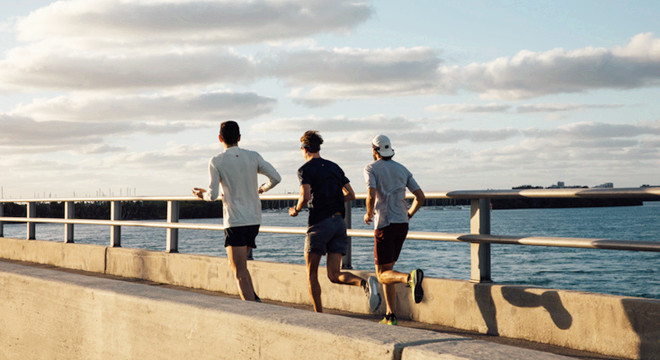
241,236
388,242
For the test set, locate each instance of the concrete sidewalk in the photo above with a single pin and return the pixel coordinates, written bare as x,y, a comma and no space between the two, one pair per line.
48,313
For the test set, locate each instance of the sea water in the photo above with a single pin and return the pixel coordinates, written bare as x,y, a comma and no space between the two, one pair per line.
618,272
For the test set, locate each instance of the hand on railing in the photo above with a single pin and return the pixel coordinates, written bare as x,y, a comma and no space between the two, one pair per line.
199,193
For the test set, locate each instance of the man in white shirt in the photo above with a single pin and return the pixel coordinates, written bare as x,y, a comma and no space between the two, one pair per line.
236,170
387,181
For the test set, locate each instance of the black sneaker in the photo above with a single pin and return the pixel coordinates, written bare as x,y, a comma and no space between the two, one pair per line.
416,277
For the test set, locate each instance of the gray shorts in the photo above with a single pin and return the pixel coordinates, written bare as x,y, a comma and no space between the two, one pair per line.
328,235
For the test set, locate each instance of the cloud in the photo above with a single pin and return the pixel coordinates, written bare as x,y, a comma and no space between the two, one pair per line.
25,134
449,135
593,130
44,67
339,124
469,108
103,23
531,74
354,73
549,108
207,106
319,76
522,108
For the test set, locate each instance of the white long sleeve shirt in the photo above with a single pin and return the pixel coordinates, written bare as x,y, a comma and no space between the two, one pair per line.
236,170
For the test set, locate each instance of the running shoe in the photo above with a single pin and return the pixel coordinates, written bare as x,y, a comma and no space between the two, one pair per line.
371,290
415,283
257,298
389,319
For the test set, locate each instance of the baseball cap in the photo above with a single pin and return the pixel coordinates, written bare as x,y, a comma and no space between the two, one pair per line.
382,144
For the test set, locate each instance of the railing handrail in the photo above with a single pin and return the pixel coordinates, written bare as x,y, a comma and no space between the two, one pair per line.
646,193
584,243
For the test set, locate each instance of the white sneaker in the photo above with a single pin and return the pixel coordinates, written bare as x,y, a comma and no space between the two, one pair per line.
372,292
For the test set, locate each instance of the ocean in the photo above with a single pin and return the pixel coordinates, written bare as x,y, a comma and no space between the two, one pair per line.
616,272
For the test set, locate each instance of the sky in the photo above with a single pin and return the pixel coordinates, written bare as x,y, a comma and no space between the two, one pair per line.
125,97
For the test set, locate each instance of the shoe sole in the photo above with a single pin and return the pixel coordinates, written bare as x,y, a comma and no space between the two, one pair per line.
418,292
374,295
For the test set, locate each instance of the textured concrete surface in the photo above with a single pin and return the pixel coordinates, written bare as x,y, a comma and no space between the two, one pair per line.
50,314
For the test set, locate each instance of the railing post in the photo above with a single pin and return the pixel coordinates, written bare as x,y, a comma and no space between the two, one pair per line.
69,213
31,213
346,259
172,234
480,252
115,230
2,224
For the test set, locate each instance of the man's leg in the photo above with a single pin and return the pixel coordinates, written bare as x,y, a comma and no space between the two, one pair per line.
389,278
238,260
340,277
312,260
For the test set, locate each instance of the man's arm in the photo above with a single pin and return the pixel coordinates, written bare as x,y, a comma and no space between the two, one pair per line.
349,194
214,185
274,178
417,202
305,195
371,202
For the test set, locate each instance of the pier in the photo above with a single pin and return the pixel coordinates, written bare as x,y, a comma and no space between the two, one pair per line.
96,317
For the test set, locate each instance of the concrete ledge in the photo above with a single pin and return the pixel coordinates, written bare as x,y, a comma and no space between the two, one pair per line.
72,256
276,281
48,313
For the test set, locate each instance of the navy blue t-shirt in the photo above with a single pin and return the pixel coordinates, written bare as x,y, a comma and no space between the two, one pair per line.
326,180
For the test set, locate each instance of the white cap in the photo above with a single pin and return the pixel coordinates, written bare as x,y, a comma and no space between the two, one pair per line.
382,145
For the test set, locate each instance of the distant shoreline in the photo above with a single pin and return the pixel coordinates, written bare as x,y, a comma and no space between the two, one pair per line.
139,210
537,203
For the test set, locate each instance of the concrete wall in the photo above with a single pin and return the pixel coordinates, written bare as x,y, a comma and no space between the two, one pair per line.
611,325
49,314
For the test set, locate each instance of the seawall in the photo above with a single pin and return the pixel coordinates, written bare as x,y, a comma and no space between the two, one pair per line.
49,314
611,325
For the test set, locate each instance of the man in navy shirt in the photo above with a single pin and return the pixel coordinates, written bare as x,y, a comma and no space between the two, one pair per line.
324,189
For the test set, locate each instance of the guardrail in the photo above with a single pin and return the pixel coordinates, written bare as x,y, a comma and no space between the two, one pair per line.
479,237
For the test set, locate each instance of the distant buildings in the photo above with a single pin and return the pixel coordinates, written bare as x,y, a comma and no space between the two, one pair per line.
562,185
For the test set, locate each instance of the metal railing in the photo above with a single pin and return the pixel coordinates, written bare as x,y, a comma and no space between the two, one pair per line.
479,237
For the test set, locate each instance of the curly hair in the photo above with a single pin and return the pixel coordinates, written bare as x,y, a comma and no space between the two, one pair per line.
311,140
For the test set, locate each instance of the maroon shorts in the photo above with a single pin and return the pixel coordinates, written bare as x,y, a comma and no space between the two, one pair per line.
388,243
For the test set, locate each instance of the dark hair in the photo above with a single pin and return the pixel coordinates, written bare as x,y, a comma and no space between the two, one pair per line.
311,141
229,132
386,158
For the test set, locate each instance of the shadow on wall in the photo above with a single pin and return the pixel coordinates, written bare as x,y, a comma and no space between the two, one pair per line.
644,317
520,297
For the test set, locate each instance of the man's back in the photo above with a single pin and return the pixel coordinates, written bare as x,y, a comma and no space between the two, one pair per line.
236,170
326,180
390,179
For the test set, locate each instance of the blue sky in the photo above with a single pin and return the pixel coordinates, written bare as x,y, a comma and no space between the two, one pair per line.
126,96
